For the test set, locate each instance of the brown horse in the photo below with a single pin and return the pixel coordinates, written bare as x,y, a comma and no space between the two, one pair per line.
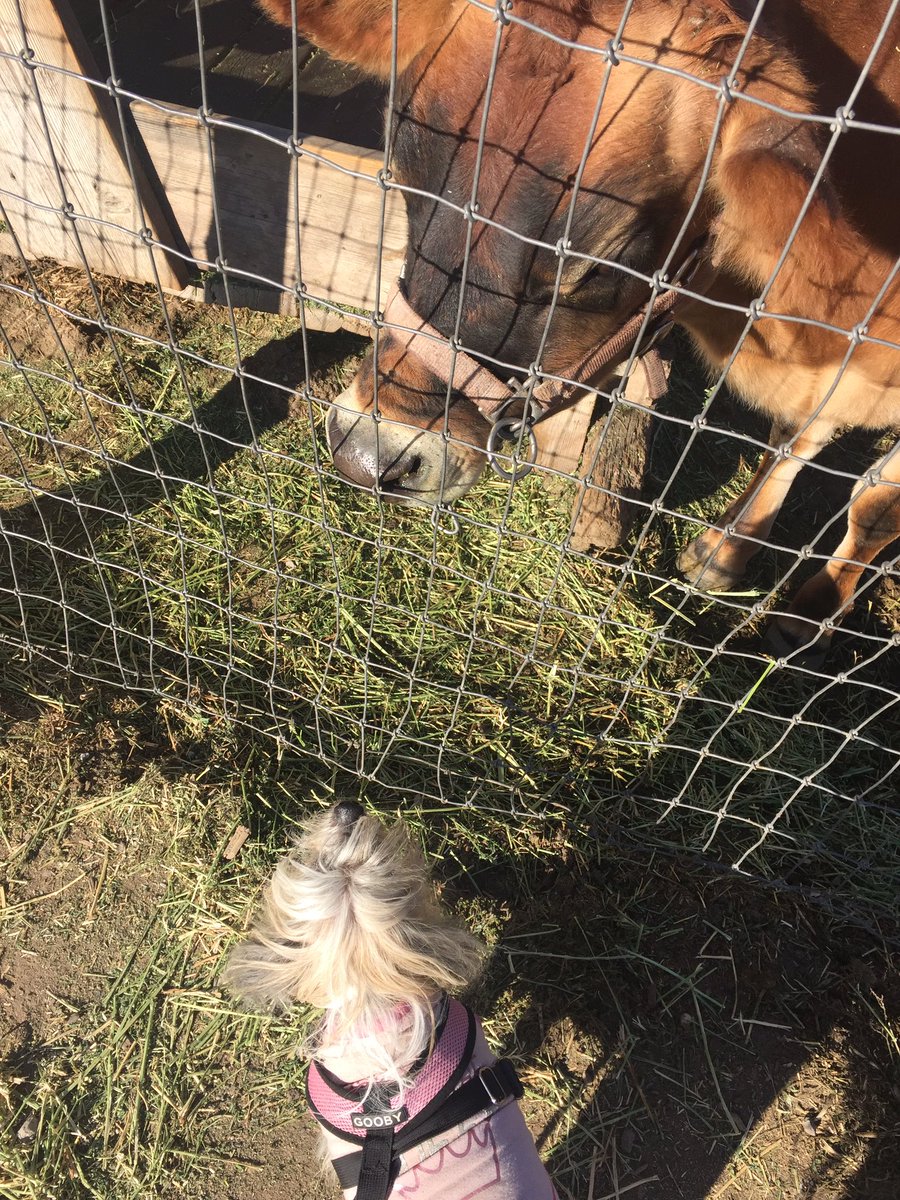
676,158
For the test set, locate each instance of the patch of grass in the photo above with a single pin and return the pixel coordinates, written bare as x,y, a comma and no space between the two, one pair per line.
177,529
109,1074
644,1006
202,626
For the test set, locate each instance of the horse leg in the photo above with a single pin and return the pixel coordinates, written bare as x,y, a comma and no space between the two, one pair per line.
873,522
717,559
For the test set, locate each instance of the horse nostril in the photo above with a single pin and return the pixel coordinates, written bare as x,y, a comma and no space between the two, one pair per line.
400,472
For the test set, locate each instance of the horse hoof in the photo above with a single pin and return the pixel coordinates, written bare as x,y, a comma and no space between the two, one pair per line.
800,649
699,567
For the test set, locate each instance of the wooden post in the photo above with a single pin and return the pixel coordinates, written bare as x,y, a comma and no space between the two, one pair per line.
561,438
60,144
231,191
621,442
324,202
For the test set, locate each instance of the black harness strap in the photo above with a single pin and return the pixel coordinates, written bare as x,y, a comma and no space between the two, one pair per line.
489,1087
385,1130
375,1161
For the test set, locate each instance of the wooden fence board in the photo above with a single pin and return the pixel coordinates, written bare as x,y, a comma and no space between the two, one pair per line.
561,438
622,443
85,144
253,182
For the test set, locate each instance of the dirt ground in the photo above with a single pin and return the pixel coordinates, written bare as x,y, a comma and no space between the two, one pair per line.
680,1035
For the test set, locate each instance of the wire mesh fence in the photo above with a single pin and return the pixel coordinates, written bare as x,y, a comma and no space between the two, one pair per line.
172,522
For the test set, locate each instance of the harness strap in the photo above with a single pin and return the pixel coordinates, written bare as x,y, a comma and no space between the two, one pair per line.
374,1171
384,1127
488,1088
349,1111
552,396
455,368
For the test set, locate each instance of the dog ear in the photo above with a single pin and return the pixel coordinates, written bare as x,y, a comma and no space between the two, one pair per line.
361,31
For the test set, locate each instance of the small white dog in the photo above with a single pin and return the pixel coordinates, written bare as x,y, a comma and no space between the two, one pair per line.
412,1103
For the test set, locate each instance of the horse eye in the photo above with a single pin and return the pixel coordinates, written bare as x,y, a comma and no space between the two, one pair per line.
599,276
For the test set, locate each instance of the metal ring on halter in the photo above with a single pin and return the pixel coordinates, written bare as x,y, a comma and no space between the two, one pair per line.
655,334
508,429
439,514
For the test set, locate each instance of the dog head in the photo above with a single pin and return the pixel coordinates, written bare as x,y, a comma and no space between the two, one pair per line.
350,924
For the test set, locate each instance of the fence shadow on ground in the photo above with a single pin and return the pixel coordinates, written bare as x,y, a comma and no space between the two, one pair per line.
720,1042
228,423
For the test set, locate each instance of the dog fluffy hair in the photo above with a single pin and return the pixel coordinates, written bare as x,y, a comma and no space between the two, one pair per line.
350,924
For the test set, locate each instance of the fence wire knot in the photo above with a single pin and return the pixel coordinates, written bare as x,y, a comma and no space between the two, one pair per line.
444,520
842,118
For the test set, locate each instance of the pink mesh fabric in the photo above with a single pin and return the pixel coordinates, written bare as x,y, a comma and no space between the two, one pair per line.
442,1062
435,1074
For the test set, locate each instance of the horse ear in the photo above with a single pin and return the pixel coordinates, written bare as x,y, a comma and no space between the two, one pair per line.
360,31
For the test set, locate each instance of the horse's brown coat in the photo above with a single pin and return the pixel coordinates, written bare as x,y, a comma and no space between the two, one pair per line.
642,171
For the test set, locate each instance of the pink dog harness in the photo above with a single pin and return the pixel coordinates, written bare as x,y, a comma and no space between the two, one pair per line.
375,1120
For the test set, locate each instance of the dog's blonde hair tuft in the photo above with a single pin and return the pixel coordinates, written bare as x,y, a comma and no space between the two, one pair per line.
350,924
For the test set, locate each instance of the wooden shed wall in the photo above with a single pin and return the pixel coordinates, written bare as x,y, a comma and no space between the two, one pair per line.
229,190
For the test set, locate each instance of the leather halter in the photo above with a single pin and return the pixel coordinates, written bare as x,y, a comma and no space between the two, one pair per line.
534,401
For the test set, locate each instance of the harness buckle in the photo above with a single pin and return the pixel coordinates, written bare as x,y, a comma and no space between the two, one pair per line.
687,269
656,331
500,1081
498,1093
519,429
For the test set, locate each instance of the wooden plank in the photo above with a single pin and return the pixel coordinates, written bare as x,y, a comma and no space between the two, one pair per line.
150,40
270,300
249,66
561,438
247,58
335,100
84,143
253,183
248,83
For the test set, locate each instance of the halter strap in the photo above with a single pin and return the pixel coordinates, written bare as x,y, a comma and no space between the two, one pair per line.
459,370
